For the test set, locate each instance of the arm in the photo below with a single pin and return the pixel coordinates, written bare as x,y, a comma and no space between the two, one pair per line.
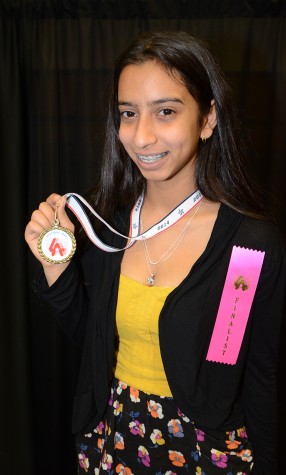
59,284
259,393
69,299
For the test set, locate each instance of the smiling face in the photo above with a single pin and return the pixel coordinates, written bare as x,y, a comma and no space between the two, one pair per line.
159,122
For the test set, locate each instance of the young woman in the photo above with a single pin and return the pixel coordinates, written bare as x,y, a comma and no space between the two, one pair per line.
178,305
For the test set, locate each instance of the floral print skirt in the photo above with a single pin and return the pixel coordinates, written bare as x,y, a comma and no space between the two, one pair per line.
147,434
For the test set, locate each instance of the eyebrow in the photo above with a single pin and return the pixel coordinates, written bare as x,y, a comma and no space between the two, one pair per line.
163,100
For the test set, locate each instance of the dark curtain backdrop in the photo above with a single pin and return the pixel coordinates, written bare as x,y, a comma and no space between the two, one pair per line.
54,62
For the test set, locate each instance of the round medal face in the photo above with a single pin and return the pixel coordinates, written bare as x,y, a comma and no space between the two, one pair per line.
56,244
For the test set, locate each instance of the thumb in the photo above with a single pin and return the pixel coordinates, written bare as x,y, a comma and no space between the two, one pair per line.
63,218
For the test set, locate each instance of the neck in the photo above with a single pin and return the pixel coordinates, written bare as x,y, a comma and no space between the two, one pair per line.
163,198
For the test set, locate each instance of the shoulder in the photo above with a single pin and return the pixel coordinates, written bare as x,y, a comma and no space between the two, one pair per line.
258,233
265,236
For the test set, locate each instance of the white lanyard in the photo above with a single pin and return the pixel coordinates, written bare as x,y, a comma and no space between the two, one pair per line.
74,204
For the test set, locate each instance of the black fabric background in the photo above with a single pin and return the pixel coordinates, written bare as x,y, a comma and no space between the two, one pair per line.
54,62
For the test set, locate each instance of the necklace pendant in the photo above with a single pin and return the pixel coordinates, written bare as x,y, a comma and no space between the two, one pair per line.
151,280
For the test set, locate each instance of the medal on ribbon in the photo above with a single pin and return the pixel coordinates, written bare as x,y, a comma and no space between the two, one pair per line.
56,244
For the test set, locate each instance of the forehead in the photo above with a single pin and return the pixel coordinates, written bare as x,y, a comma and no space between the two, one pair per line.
149,78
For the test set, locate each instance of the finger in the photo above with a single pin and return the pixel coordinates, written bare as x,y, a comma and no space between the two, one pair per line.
61,204
32,233
63,216
33,230
45,220
57,203
54,200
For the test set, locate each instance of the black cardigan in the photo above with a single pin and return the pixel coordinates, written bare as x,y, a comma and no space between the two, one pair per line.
217,397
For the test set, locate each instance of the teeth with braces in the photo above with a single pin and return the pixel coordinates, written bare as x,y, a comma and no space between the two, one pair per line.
151,158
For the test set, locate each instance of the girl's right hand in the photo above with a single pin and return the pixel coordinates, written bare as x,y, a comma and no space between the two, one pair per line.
41,219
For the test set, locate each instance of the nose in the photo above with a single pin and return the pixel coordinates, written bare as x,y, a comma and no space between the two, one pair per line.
144,133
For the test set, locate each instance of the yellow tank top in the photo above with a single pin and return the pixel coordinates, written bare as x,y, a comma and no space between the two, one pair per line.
139,362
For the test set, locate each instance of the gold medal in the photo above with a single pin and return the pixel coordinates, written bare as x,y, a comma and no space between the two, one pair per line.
56,244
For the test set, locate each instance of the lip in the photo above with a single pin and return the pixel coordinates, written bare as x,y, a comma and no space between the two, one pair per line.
151,158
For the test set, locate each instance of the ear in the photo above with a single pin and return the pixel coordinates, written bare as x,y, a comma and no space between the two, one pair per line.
209,122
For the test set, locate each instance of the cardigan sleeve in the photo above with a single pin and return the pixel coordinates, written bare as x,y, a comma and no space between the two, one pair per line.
81,292
259,392
68,299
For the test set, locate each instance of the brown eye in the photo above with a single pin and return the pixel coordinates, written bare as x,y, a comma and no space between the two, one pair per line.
127,114
166,111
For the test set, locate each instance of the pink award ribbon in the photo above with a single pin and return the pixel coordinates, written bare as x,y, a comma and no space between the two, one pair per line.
236,300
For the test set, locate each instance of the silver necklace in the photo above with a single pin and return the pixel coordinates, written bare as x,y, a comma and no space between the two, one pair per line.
174,246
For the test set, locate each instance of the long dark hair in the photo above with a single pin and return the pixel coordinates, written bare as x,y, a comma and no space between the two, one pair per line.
221,172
